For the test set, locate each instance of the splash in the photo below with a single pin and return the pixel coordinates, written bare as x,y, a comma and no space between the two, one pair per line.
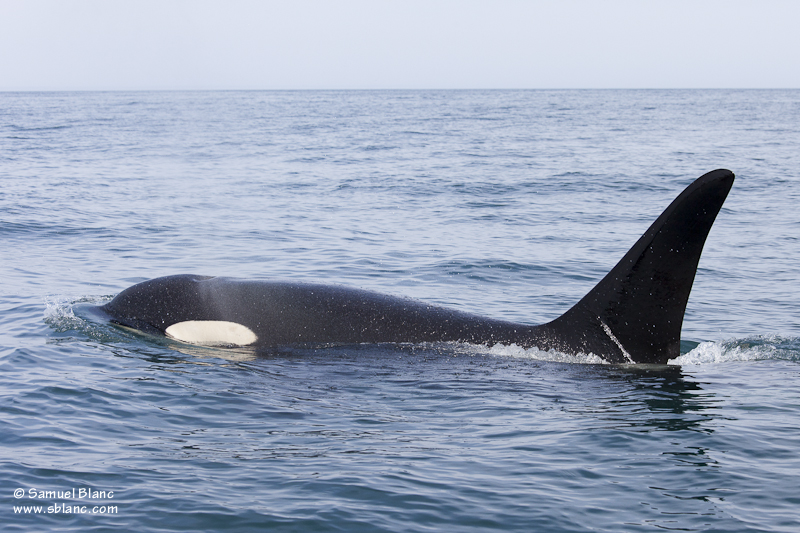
512,350
60,315
757,348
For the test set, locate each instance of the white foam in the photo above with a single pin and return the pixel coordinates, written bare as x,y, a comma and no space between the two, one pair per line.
758,348
512,350
59,313
212,332
58,307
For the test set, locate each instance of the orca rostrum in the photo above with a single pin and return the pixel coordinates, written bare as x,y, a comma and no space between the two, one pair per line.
633,315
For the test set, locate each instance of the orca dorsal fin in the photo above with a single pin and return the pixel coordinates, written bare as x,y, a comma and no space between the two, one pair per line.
635,313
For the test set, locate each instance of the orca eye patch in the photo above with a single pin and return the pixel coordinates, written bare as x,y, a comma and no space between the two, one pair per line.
212,332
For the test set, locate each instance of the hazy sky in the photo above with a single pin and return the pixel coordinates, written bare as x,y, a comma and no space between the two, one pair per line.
363,44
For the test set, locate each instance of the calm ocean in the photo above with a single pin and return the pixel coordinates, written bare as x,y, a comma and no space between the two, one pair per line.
509,204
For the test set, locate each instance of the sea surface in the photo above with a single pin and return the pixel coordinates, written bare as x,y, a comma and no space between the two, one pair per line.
509,204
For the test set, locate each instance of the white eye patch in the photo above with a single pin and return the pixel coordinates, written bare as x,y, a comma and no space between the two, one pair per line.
213,332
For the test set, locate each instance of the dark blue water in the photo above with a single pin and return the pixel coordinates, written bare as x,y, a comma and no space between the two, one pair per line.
510,204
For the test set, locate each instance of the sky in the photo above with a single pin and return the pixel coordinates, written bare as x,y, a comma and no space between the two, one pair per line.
397,44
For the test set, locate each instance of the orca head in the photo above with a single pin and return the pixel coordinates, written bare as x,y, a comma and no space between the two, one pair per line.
154,305
182,307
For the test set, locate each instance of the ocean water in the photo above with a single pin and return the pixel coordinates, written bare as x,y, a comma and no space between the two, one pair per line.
510,204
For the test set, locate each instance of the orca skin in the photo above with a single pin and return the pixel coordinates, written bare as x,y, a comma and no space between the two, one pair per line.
633,315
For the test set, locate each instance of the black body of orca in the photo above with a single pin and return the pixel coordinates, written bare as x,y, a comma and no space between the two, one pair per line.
633,315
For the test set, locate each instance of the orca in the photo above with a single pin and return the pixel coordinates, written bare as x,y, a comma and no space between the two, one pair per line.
633,315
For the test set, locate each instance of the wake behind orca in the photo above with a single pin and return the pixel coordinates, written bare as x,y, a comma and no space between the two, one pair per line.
633,315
